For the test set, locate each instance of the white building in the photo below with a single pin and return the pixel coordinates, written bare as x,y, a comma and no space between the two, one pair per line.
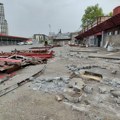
3,21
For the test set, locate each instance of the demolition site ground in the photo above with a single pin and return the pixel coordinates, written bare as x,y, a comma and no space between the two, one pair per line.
78,83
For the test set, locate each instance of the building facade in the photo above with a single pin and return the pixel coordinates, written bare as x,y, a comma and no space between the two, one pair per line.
11,40
62,39
104,33
40,38
3,21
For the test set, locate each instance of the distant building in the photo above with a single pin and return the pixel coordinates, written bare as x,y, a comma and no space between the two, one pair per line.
3,21
6,39
40,38
11,40
62,38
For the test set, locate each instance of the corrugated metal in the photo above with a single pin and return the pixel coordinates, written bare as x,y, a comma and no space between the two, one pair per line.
8,36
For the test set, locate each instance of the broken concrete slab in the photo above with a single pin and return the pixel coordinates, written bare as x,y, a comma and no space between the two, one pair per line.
80,107
114,72
115,93
102,90
71,99
72,96
88,89
115,82
51,84
69,91
77,83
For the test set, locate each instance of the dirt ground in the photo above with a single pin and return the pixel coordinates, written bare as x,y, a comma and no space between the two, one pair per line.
25,103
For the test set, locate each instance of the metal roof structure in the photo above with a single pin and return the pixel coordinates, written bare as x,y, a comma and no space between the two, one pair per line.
12,37
62,36
113,22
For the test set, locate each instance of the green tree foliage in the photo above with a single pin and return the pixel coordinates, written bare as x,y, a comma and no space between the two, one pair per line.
91,13
110,14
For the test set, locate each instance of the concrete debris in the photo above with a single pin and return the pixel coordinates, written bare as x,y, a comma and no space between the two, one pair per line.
114,72
77,84
102,90
59,97
90,86
80,107
111,49
96,117
20,83
77,68
71,99
112,82
116,93
117,100
88,89
69,91
56,84
70,86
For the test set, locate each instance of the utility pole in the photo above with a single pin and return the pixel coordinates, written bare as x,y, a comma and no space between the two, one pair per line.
49,29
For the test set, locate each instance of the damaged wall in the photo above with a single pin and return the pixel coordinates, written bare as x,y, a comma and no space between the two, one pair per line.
113,39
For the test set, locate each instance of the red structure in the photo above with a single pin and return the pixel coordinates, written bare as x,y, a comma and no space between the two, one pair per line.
111,23
11,40
116,11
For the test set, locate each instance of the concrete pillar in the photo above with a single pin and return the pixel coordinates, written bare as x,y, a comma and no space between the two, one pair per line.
102,41
1,41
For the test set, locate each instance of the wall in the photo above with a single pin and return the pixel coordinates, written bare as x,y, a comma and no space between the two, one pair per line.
73,39
40,38
113,39
92,41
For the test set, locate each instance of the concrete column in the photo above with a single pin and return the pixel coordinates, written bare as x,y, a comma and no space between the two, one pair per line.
102,41
1,41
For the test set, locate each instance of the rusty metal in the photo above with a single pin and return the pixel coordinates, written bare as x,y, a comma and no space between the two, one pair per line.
30,53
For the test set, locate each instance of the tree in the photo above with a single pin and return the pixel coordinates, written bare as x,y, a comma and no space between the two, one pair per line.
91,13
110,14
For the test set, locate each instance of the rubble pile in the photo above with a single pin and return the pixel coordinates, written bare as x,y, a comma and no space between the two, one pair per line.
93,86
17,59
89,85
56,84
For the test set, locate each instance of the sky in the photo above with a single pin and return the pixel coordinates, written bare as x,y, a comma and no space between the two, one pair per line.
28,17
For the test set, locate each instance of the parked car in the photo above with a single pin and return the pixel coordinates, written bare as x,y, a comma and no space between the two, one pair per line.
21,43
28,43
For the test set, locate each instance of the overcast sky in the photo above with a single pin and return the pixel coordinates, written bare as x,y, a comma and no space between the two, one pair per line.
28,17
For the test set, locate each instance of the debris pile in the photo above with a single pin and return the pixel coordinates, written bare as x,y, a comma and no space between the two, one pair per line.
56,84
17,59
91,85
84,91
